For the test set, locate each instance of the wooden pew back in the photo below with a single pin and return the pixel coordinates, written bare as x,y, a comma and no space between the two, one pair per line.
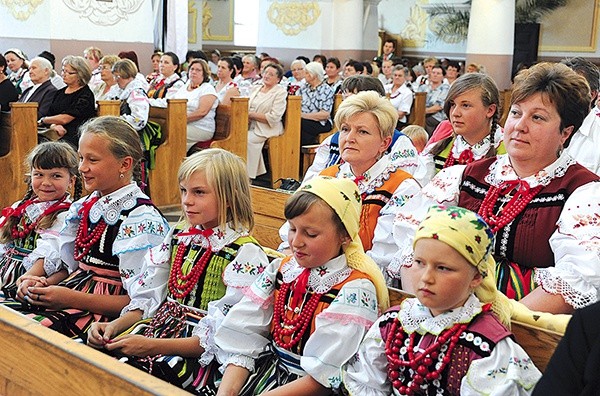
18,134
505,97
417,111
267,206
231,131
284,150
537,342
38,361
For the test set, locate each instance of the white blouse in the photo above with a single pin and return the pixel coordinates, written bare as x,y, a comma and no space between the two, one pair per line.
575,243
507,371
244,333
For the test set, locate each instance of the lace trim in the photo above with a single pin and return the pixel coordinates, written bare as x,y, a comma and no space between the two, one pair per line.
555,285
263,303
220,238
240,360
416,317
110,207
206,337
322,278
346,319
501,170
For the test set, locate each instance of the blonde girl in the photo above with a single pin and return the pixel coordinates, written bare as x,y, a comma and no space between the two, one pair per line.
310,309
189,283
29,228
452,339
105,236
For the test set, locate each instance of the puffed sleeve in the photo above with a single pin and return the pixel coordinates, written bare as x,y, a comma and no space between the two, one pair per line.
66,243
365,374
507,371
47,247
279,104
384,246
576,247
149,290
144,228
443,189
339,330
244,332
249,263
139,105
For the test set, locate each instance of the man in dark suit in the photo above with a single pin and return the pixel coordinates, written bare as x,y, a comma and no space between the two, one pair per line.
43,90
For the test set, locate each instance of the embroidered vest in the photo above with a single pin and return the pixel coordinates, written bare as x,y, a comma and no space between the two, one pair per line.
526,240
372,202
476,342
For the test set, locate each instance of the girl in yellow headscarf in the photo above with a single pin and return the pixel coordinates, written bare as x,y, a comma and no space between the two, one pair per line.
452,339
311,309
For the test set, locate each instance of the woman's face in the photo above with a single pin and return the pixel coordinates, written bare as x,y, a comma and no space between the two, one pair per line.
13,62
196,74
155,63
249,66
166,66
69,76
106,73
470,117
331,70
270,77
298,72
451,73
532,134
93,62
436,75
398,78
223,71
361,143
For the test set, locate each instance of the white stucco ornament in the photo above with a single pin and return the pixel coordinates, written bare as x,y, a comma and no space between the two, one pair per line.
104,13
21,9
293,17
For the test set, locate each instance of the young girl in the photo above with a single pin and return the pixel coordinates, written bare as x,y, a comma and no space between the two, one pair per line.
105,237
310,309
452,339
473,108
29,228
203,265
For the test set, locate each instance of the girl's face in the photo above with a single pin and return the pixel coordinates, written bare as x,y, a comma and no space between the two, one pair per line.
13,62
166,66
314,237
199,201
98,166
470,117
442,278
50,184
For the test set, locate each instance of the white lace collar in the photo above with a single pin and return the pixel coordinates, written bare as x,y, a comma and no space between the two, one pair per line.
501,170
110,206
374,177
35,209
220,237
321,278
480,148
416,317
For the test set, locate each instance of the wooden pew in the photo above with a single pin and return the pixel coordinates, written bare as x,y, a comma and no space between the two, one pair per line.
284,150
267,206
417,111
18,135
164,187
108,107
505,97
537,342
231,131
38,361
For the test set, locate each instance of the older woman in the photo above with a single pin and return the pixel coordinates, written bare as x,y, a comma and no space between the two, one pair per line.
317,102
93,55
226,88
8,92
74,104
250,70
168,82
473,108
18,66
540,203
135,105
266,106
400,95
43,91
101,91
298,69
201,103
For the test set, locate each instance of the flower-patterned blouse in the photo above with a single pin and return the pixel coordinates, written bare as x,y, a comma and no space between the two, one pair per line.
245,332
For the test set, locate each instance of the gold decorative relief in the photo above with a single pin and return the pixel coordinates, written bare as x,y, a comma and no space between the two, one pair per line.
21,9
414,34
293,17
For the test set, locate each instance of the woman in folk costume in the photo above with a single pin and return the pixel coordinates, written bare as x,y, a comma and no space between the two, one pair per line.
452,339
310,310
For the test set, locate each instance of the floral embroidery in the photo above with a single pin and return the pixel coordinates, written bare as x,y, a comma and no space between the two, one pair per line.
128,231
587,220
127,273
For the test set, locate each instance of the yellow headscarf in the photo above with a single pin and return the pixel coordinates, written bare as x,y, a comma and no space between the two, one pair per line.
343,197
467,233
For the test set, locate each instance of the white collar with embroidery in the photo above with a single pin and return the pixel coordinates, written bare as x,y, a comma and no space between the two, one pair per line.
374,177
414,316
110,206
480,148
220,238
35,209
321,278
501,170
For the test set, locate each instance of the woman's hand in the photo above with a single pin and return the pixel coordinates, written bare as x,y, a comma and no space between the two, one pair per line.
100,333
59,129
51,297
132,345
25,282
